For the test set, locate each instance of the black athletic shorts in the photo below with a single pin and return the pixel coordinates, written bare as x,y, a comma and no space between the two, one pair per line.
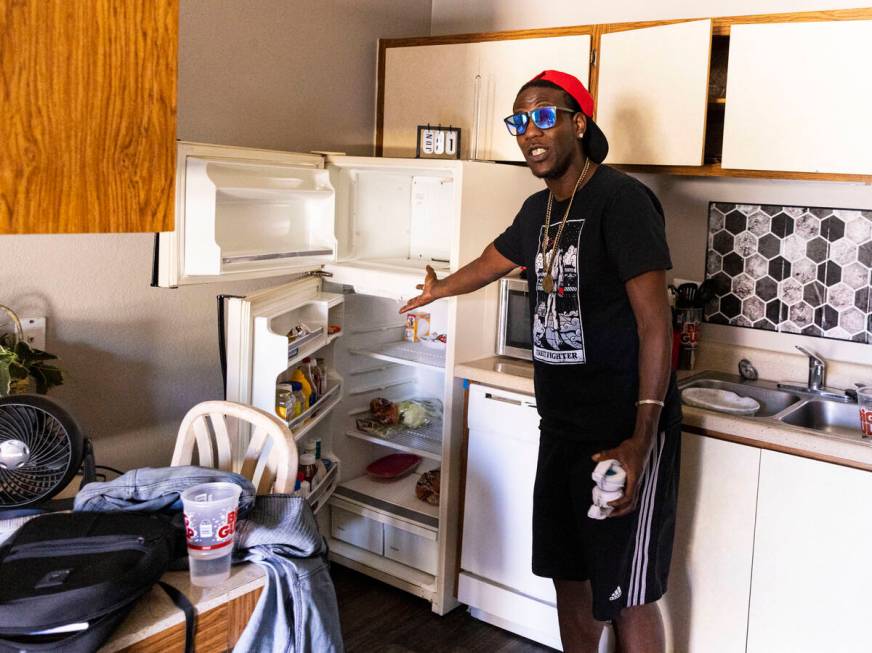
626,559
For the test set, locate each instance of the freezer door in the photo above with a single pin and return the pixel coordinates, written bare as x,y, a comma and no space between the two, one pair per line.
243,213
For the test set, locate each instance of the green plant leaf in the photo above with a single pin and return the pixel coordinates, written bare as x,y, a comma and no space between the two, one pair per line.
17,371
5,380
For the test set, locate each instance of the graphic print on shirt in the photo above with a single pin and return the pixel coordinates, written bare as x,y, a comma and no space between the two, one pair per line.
558,336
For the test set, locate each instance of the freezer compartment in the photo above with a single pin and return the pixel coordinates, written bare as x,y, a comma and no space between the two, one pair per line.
244,213
397,213
292,209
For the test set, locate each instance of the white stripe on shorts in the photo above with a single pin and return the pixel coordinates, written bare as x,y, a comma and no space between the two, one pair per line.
639,569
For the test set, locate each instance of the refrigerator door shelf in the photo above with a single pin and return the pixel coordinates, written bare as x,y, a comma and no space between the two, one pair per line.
257,344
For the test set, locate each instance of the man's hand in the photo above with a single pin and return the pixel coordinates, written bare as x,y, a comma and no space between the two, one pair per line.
426,295
632,454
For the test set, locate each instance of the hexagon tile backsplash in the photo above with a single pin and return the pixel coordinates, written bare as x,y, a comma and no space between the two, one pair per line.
791,269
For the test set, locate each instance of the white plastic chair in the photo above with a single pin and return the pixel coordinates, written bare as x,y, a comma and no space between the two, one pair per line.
269,460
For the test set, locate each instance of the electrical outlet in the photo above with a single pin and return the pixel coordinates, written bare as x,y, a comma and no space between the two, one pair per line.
34,331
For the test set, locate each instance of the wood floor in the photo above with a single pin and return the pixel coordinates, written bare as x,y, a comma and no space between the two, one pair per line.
377,618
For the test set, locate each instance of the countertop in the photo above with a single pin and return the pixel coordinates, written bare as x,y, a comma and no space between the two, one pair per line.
155,612
517,375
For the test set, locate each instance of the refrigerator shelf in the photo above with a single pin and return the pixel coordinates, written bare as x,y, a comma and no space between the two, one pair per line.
425,441
394,498
406,353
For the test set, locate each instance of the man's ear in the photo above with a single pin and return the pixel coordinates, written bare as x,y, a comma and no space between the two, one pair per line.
580,122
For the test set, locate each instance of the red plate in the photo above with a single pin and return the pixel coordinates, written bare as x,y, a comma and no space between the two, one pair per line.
393,466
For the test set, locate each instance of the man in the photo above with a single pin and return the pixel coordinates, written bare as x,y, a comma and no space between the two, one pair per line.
595,249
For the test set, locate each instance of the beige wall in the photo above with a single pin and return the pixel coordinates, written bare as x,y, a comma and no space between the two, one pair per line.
138,357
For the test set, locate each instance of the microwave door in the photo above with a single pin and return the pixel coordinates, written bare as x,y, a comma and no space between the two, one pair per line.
515,331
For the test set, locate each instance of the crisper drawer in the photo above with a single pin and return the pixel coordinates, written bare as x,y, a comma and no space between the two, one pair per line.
357,530
410,549
502,411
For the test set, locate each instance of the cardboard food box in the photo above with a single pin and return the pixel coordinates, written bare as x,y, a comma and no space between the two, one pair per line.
417,326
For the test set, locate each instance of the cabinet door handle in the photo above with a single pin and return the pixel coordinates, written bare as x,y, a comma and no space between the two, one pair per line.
506,400
476,105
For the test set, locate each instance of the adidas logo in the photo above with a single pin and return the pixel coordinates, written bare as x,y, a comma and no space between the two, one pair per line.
616,594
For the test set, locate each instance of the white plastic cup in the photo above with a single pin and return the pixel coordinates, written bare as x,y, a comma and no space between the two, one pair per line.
864,401
210,522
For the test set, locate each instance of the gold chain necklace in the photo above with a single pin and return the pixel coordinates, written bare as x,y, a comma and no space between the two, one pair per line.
548,280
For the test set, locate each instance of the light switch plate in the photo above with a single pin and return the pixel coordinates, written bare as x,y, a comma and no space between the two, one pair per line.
34,331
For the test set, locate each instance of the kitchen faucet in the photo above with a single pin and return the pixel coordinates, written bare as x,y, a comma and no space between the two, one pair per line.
817,368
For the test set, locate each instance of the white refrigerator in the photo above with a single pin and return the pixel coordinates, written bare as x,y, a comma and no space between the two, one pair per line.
354,235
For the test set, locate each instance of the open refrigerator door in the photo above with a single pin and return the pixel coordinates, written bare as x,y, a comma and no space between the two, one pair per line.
357,234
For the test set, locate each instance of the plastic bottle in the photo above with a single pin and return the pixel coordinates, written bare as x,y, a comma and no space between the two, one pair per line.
299,398
305,386
321,366
308,466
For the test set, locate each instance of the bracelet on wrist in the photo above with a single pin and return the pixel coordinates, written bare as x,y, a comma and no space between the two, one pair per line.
655,402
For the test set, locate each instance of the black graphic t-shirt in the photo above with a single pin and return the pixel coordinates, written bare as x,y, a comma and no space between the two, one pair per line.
585,344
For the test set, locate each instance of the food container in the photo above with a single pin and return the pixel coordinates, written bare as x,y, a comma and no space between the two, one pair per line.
417,326
308,466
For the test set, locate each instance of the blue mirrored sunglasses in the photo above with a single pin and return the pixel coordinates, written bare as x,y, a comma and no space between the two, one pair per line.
542,117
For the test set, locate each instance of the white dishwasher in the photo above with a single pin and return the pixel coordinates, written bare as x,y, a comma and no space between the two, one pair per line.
495,577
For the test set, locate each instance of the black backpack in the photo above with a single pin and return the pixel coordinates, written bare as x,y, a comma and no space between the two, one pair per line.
68,579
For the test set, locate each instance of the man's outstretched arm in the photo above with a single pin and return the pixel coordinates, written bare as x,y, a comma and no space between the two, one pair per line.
488,267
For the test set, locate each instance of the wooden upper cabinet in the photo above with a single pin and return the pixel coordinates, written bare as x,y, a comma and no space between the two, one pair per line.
508,65
652,93
799,97
428,84
88,101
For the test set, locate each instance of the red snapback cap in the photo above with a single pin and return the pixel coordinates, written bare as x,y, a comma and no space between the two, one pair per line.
595,143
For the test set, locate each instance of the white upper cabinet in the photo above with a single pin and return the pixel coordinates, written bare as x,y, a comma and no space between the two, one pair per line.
799,97
505,67
243,213
471,86
429,84
652,93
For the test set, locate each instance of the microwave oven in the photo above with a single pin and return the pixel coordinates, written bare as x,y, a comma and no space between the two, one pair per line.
514,331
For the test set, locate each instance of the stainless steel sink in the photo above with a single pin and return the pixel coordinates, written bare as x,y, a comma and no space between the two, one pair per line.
772,401
829,417
807,411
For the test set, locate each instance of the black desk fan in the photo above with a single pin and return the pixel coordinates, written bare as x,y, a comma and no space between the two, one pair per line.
41,449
